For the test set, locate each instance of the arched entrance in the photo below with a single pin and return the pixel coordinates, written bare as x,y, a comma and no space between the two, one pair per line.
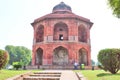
60,56
83,57
39,56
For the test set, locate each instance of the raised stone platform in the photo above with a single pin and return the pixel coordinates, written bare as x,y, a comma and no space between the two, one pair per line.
57,67
52,67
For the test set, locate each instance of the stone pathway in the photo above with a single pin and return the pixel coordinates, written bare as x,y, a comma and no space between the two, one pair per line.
68,75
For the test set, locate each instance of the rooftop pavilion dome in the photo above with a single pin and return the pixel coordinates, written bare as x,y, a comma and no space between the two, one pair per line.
62,7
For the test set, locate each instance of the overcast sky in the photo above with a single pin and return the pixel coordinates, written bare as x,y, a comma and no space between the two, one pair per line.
16,16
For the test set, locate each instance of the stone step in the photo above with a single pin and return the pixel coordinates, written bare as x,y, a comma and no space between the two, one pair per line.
44,75
47,72
41,78
51,75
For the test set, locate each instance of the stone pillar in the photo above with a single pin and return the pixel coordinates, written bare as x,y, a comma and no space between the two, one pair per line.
89,59
33,57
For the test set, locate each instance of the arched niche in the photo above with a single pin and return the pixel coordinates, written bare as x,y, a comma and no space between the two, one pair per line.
60,56
60,31
39,56
83,56
82,33
40,33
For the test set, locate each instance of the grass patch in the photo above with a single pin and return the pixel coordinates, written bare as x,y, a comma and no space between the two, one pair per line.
99,75
4,74
89,74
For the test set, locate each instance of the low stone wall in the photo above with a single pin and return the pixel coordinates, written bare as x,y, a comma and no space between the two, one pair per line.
51,67
59,67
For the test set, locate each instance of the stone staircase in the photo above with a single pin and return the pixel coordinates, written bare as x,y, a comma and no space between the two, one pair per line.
43,76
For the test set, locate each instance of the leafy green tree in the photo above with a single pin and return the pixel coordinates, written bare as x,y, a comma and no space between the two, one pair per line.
115,6
17,65
4,57
24,55
11,50
19,54
110,60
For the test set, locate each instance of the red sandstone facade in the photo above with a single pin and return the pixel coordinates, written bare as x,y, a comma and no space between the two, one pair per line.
61,37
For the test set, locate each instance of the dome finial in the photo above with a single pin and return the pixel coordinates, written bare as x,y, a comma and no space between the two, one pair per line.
62,7
62,2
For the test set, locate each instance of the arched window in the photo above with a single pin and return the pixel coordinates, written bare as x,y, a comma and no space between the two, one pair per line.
60,31
83,57
40,33
82,34
39,56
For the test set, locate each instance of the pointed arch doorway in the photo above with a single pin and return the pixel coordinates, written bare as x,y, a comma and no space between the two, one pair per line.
60,56
83,56
39,56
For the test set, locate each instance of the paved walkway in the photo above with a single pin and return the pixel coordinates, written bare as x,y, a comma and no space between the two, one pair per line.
68,75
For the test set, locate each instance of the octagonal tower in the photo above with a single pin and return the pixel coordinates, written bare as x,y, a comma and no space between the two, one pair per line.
61,38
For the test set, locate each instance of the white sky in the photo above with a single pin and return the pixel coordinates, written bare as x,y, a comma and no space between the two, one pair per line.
16,16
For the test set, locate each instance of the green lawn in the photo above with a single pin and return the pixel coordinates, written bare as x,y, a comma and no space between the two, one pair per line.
89,74
4,74
99,75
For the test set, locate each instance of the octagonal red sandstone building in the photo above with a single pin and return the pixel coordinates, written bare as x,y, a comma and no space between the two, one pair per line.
61,38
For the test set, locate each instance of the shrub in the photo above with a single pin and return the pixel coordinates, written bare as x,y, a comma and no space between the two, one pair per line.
17,65
110,60
4,57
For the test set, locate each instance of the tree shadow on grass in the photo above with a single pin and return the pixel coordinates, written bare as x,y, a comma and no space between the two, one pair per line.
107,74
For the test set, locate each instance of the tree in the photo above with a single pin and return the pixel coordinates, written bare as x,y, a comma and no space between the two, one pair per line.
115,6
110,60
19,54
25,56
12,54
4,57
